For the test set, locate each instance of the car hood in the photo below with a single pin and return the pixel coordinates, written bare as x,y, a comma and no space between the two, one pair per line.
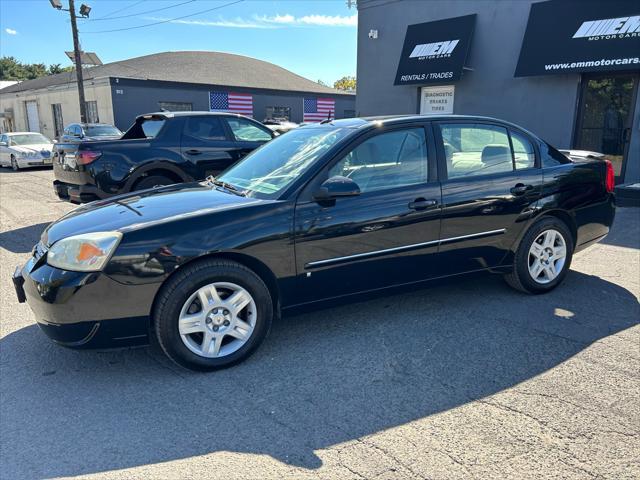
37,148
137,210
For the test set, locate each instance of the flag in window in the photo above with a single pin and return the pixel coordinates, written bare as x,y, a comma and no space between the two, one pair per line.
318,109
241,103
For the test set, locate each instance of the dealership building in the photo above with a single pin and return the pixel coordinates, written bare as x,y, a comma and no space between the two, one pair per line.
117,92
568,70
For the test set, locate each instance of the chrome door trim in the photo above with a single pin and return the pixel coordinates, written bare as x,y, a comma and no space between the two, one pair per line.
328,261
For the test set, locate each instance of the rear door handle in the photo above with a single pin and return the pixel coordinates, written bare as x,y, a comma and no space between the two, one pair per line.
193,152
422,204
521,189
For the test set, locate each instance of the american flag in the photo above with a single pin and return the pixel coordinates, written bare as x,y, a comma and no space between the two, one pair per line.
241,103
318,109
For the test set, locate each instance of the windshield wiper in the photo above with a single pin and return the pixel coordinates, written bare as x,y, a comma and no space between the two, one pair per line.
227,186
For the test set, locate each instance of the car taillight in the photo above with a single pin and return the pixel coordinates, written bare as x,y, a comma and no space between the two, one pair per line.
610,179
85,157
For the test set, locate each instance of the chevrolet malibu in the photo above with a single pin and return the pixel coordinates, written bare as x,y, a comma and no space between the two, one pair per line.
327,211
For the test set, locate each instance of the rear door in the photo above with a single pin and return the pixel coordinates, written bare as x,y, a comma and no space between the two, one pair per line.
388,234
491,182
207,145
247,135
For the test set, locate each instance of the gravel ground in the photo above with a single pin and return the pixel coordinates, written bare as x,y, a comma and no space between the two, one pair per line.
465,379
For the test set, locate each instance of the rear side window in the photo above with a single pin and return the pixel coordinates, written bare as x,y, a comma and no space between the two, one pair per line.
523,152
388,160
207,129
152,127
476,149
246,131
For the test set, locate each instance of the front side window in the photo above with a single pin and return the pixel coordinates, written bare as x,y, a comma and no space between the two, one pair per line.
206,129
476,149
271,169
523,153
245,131
388,160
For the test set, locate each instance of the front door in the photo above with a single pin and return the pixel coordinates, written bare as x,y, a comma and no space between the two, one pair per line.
605,116
386,235
206,146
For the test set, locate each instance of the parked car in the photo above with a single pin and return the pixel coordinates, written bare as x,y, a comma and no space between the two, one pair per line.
327,211
159,149
86,132
279,125
24,149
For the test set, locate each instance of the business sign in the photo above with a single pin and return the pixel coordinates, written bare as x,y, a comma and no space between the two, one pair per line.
580,36
435,52
437,100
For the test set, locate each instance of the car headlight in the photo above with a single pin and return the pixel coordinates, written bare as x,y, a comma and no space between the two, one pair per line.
88,252
21,154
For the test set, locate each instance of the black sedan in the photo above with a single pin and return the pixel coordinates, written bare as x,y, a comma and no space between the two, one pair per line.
326,211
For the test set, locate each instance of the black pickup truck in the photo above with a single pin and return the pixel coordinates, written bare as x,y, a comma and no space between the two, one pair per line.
159,149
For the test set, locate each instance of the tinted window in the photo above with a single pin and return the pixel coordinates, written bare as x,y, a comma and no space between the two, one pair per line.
245,131
523,152
387,160
476,149
102,131
551,157
207,129
151,127
76,130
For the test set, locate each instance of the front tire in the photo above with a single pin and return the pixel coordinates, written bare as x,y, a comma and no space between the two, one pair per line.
14,164
543,257
212,314
153,181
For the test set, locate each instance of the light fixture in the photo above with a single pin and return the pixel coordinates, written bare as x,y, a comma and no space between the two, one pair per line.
84,10
57,4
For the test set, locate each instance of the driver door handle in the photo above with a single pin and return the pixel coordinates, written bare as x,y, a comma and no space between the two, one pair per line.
422,204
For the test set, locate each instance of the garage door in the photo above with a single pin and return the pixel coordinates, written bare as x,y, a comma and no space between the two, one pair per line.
33,121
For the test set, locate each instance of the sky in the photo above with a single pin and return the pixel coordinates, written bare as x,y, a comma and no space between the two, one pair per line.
313,38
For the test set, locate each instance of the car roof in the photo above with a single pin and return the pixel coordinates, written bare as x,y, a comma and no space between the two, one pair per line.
377,121
91,124
21,133
188,113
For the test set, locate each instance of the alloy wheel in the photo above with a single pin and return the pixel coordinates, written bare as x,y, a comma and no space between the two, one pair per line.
217,319
547,256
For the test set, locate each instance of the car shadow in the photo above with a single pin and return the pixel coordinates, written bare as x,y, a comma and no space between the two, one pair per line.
320,379
629,236
22,240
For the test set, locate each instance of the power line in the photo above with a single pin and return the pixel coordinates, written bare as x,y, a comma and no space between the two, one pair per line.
140,13
168,20
119,10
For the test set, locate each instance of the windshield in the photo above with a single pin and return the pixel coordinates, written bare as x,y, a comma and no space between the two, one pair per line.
102,131
28,139
269,170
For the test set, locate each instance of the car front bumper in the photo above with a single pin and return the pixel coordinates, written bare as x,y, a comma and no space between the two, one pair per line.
84,310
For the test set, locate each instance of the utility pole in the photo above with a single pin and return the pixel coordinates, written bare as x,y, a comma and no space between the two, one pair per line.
76,53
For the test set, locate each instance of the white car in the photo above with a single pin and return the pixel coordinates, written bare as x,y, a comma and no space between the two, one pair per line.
25,149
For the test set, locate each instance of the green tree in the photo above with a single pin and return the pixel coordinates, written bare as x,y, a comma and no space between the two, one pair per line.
345,83
13,69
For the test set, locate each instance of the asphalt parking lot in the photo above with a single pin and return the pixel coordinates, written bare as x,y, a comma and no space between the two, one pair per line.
465,379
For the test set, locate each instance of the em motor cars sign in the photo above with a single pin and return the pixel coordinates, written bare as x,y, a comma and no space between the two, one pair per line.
587,36
435,52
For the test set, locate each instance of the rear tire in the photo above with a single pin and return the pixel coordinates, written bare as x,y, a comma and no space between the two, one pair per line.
14,164
190,314
543,257
153,181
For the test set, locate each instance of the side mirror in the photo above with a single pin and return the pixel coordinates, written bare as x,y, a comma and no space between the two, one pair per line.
335,187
